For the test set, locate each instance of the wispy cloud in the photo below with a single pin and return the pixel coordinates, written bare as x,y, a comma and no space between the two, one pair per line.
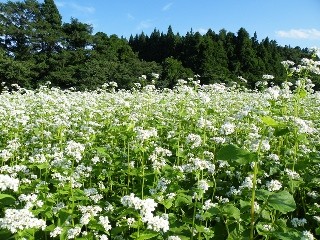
130,17
60,4
76,7
202,30
145,24
300,33
81,8
167,7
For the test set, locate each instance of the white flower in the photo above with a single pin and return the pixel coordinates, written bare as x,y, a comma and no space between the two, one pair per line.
103,237
130,221
267,227
265,146
292,174
242,79
157,223
317,218
7,182
194,139
158,157
296,222
304,126
203,185
233,191
218,140
58,207
274,185
88,212
267,77
247,183
145,134
313,194
307,235
256,207
57,231
227,128
273,93
174,238
74,149
104,221
19,219
274,157
171,195
73,232
287,63
208,204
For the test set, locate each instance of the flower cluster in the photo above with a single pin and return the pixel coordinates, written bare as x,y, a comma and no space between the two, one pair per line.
7,182
19,219
146,207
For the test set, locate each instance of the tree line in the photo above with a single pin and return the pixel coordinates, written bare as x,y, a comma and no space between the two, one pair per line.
37,47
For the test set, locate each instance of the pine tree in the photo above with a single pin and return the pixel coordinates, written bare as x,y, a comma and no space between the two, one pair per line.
49,28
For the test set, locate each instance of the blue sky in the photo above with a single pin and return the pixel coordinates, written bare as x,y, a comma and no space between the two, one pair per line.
289,22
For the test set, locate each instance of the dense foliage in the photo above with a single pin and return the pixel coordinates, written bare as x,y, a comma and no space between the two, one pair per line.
195,162
36,47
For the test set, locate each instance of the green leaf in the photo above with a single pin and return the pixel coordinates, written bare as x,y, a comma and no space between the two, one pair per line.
5,234
318,231
182,200
263,195
233,153
6,199
244,204
50,228
302,93
269,121
200,228
102,150
43,166
183,237
282,201
78,195
220,231
231,211
214,211
236,234
280,131
288,235
167,203
64,215
144,235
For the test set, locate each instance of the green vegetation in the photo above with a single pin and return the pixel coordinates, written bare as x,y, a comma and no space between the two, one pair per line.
194,162
36,47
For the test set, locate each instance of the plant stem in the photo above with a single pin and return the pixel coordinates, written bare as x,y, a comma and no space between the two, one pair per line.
253,196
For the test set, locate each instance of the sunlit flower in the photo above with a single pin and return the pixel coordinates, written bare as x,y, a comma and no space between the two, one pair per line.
16,220
194,140
307,235
274,185
227,128
7,182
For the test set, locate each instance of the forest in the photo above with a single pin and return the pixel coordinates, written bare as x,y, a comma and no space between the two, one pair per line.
37,47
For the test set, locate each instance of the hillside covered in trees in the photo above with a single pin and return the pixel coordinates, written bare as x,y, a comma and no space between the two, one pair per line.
36,47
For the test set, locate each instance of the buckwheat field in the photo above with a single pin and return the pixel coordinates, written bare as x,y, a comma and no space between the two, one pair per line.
194,162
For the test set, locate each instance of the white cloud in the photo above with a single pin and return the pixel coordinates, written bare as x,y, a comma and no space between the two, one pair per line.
167,7
300,33
130,17
145,24
83,9
60,4
202,30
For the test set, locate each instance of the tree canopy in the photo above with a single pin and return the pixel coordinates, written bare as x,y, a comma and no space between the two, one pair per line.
36,47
